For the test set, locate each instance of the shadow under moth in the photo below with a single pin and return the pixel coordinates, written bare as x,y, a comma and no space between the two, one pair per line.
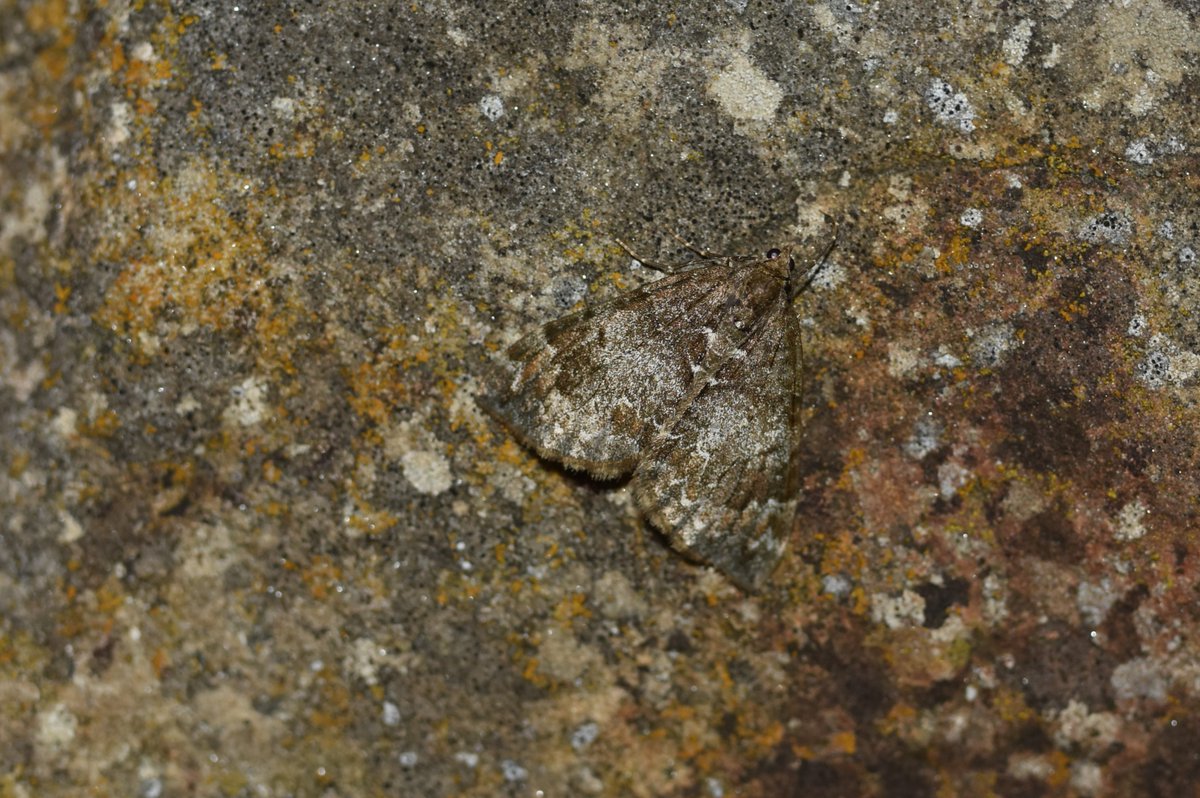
692,385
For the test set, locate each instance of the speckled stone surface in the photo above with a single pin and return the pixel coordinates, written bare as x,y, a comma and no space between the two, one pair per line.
257,538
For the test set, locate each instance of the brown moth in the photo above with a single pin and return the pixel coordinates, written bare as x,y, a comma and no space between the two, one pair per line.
691,384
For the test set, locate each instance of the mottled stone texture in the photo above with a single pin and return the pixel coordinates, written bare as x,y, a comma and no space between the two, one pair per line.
257,539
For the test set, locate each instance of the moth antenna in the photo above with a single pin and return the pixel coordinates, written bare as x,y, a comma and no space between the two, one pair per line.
706,254
658,267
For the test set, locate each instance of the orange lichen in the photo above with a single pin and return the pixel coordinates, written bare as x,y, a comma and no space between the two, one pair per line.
1010,706
189,260
956,252
321,575
572,606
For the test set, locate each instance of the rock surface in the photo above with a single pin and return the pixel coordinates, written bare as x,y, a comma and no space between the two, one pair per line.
257,538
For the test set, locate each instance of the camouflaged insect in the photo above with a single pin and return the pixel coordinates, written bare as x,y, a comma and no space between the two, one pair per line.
692,383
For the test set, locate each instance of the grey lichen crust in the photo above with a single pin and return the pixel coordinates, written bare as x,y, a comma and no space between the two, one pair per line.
692,384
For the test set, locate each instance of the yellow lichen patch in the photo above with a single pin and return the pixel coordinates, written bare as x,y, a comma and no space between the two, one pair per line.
366,520
46,16
1010,706
843,742
271,471
18,462
321,576
1062,768
842,555
102,426
190,259
61,294
333,712
19,654
376,390
917,657
855,457
572,606
901,719
956,253
53,17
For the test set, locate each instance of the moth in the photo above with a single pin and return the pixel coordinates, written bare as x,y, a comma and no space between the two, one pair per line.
692,385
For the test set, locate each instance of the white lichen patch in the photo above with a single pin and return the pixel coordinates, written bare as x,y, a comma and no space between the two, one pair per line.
1166,363
118,131
951,477
971,217
64,423
1094,600
991,345
1140,678
944,358
906,609
1087,778
1034,767
1092,732
364,659
1138,152
836,585
903,361
249,404
419,454
1129,523
629,69
71,530
512,771
995,598
27,220
616,598
910,210
427,471
206,552
284,108
56,727
584,735
1133,53
563,659
950,107
1110,227
925,438
1023,501
492,107
829,276
1016,45
745,92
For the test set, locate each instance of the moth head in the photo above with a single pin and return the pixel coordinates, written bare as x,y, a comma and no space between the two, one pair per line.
775,253
793,276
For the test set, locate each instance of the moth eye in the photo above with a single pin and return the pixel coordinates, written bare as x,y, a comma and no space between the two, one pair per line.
773,253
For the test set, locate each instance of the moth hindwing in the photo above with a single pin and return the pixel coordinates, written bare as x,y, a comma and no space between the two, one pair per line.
691,384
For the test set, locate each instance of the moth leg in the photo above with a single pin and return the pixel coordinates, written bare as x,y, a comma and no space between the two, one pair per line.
821,262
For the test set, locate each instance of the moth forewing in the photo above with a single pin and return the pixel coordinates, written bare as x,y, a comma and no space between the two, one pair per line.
721,483
690,383
589,390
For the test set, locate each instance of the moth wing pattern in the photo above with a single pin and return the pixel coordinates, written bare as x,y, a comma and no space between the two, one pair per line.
722,481
591,389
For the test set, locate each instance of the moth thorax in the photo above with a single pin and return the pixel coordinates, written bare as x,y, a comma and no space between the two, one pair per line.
766,280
